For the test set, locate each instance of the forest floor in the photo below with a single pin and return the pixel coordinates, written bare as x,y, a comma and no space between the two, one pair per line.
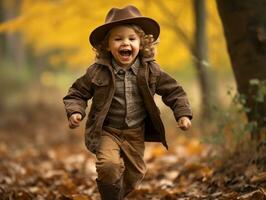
40,158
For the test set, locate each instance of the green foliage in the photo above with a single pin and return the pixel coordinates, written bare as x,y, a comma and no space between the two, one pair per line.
13,81
231,126
12,78
260,93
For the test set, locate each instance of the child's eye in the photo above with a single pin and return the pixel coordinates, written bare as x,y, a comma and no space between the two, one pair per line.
132,39
117,39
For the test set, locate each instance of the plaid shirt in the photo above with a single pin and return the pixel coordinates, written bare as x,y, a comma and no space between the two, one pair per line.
127,108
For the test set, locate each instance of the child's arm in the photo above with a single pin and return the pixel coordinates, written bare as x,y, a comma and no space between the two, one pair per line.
174,96
76,99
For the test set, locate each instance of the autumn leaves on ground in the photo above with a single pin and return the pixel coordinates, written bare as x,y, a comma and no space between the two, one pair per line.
42,159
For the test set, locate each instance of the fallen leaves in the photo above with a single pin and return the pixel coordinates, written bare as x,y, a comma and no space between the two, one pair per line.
38,174
56,166
258,178
60,173
257,194
175,176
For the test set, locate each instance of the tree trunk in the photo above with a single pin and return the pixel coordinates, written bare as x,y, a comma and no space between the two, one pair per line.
14,47
244,23
201,61
2,35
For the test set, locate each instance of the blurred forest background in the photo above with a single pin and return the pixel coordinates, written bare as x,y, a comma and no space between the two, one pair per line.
44,48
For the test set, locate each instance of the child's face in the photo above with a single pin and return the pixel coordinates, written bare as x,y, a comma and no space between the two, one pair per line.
124,44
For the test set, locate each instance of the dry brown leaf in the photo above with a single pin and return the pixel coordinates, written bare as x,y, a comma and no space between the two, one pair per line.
80,197
255,195
261,177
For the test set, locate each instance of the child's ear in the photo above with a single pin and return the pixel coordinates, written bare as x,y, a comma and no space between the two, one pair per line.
108,48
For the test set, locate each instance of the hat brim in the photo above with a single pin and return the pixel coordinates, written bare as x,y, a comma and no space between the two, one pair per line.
148,25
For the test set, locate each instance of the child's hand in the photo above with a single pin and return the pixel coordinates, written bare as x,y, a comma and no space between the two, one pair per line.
184,123
74,120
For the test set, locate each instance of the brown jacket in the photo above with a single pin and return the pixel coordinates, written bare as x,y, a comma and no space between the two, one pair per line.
98,84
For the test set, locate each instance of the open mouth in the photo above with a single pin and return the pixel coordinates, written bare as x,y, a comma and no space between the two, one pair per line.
125,52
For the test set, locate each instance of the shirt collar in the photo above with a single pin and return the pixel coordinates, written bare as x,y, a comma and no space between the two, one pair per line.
134,67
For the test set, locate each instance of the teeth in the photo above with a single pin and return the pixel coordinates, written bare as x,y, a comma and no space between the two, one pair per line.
125,52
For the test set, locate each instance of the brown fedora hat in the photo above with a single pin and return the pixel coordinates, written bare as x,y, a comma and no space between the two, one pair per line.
126,15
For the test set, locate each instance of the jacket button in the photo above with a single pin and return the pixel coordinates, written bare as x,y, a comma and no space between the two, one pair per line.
121,72
100,82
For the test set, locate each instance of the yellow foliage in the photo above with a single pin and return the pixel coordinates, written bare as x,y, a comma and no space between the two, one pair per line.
158,151
61,29
80,197
194,147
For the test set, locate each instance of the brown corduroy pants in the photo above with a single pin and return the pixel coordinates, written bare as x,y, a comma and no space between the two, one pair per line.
120,157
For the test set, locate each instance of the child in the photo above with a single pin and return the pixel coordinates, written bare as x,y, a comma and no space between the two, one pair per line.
123,114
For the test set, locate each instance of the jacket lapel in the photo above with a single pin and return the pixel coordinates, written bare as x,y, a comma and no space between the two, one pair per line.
157,125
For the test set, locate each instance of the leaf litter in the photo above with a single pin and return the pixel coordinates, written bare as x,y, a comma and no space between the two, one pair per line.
48,161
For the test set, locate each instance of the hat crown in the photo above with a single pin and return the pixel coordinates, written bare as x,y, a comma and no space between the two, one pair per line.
127,15
116,14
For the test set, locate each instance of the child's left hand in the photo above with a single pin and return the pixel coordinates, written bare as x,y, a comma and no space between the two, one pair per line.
184,123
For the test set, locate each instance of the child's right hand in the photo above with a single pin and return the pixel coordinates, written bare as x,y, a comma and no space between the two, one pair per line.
74,120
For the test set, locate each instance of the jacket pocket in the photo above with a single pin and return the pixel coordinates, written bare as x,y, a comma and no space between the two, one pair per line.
101,91
100,82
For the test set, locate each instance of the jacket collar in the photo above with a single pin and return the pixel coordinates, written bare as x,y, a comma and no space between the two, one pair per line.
103,61
134,67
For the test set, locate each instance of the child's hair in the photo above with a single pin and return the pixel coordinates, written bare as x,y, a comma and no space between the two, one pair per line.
146,42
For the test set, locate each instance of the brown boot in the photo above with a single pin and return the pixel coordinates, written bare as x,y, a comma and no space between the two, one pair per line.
110,191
